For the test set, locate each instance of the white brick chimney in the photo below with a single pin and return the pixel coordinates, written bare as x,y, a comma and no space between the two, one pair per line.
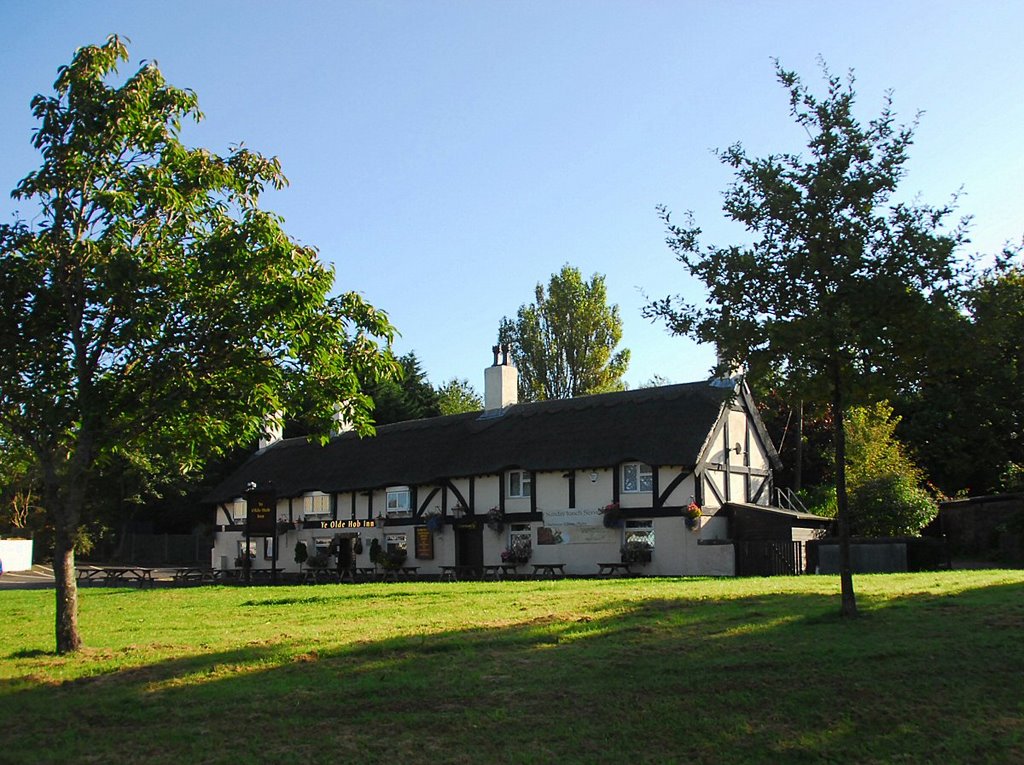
501,381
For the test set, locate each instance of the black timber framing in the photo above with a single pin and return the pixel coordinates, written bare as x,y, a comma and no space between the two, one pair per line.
662,497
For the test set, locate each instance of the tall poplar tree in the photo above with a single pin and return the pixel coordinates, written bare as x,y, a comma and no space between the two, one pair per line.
842,287
564,342
152,312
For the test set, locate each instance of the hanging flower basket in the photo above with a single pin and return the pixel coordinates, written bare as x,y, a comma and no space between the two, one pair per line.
612,516
496,520
691,516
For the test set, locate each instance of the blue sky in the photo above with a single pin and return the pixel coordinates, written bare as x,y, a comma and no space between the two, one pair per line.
447,156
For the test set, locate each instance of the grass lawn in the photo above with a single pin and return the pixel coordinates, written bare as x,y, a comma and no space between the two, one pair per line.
609,671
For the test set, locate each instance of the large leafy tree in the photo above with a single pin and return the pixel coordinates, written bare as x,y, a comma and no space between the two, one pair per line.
842,286
966,419
153,313
564,342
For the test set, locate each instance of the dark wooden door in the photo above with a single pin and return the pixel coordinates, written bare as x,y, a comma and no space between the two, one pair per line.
469,545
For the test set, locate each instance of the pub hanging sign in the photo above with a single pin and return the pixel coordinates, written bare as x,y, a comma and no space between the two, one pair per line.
261,511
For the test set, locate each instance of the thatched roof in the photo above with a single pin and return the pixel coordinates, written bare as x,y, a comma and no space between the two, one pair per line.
659,426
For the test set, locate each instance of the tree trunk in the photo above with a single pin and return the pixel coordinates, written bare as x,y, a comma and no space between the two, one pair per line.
68,639
849,600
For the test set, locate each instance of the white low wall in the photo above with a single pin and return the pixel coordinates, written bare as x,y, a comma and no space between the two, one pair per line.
16,554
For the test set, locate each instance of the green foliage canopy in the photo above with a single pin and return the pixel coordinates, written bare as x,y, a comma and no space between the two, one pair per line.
966,418
152,311
564,342
408,397
838,294
458,396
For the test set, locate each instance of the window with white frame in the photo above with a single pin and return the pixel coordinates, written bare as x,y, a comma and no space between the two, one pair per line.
520,544
316,505
395,542
636,477
322,546
399,502
236,510
520,534
638,536
520,484
246,549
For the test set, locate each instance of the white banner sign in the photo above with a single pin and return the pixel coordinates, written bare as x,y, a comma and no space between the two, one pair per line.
574,516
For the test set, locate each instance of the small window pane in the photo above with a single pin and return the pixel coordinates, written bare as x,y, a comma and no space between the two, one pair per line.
646,479
519,483
629,479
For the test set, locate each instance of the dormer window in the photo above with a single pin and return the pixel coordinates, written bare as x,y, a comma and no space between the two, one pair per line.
520,483
636,478
399,502
316,505
236,510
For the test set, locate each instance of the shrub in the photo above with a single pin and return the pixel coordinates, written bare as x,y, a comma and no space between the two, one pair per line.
301,553
890,505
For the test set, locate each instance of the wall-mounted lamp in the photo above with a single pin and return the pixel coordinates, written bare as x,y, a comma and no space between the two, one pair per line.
593,476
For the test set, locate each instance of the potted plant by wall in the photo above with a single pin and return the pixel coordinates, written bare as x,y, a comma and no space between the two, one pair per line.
496,520
393,559
317,561
691,516
375,551
636,551
301,554
612,516
517,552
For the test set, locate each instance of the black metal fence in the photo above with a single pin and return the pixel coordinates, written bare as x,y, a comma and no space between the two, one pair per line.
769,558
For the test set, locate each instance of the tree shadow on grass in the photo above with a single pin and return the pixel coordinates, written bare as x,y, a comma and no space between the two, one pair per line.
766,678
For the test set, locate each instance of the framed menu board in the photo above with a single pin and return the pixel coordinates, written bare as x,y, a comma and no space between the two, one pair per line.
424,543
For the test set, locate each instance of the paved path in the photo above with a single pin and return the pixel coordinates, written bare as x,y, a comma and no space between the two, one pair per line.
37,578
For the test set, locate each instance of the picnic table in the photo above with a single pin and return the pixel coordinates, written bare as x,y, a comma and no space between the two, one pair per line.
393,574
196,574
500,571
140,575
548,570
609,569
455,573
319,576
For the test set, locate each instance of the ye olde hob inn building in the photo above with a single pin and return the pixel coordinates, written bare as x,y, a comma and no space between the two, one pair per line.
667,479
